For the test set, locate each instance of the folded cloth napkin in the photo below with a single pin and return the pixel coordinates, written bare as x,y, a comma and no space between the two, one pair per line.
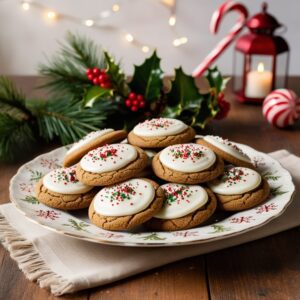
66,265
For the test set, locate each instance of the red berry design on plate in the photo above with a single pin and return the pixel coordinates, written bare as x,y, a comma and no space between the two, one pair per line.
99,77
224,107
135,102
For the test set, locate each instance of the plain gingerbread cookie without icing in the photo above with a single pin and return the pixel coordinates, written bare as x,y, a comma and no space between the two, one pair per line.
61,189
91,141
187,164
127,204
160,132
185,206
228,150
239,189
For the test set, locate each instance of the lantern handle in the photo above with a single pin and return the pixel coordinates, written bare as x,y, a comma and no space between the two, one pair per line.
216,19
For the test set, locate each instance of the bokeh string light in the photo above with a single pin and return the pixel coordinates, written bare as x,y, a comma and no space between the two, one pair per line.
52,16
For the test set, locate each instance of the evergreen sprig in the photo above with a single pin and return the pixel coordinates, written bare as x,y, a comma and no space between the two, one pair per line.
66,70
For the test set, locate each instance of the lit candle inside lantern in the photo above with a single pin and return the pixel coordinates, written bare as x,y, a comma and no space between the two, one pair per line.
259,82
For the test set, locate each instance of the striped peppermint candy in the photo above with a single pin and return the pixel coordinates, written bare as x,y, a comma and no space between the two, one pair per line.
281,108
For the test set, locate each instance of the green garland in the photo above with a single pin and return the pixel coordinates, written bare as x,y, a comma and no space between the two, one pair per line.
77,106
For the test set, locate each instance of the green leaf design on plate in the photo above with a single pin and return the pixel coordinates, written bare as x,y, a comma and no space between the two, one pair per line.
80,226
31,200
270,176
152,237
95,93
147,78
276,191
35,175
219,228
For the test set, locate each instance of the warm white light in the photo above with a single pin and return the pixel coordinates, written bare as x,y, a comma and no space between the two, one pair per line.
51,15
105,14
260,67
88,23
115,7
25,5
180,41
172,20
129,37
145,49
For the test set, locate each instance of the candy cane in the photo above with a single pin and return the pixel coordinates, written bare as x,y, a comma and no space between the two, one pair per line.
225,42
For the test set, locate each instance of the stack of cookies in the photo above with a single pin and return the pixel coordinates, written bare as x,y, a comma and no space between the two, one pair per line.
162,177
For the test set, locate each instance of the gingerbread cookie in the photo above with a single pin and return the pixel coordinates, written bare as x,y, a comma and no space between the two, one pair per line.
187,164
185,206
91,141
228,150
127,204
61,189
239,189
161,132
111,164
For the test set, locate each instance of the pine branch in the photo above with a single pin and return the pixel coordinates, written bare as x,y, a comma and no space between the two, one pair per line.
12,100
66,71
68,121
17,137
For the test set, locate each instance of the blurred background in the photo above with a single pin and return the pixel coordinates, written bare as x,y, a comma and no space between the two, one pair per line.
129,29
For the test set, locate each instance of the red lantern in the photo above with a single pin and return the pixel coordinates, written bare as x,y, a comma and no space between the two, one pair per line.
261,59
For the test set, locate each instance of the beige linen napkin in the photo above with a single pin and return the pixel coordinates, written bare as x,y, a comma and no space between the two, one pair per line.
66,265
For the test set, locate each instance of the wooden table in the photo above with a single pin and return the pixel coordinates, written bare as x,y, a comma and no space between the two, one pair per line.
264,269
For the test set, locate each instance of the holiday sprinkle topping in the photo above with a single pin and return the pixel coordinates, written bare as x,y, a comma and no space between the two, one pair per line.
175,194
187,151
65,175
229,144
155,124
121,192
233,176
104,153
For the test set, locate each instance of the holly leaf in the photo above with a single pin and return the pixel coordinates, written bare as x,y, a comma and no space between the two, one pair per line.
94,94
184,90
116,74
147,78
186,103
216,80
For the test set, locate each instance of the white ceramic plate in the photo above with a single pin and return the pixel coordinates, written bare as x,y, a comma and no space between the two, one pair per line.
77,224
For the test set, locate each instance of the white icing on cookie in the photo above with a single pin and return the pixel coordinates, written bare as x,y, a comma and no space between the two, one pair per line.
108,158
124,199
64,181
159,127
236,181
228,147
89,138
181,200
187,158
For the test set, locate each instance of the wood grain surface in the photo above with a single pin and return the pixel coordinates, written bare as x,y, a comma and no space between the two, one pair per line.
264,269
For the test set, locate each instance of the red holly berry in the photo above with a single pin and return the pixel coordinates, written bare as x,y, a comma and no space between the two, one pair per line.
96,81
89,71
96,71
135,103
140,97
128,103
132,96
90,77
142,104
134,108
105,85
224,107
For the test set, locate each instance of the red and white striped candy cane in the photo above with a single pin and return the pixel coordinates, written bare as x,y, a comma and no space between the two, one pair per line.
281,108
227,40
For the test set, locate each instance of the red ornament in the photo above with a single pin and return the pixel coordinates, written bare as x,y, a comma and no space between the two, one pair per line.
281,108
135,102
99,77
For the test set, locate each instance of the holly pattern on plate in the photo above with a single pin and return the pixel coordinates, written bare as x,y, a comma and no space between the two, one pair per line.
239,220
270,176
47,214
35,175
219,228
276,191
50,163
185,234
31,199
153,237
266,208
79,226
